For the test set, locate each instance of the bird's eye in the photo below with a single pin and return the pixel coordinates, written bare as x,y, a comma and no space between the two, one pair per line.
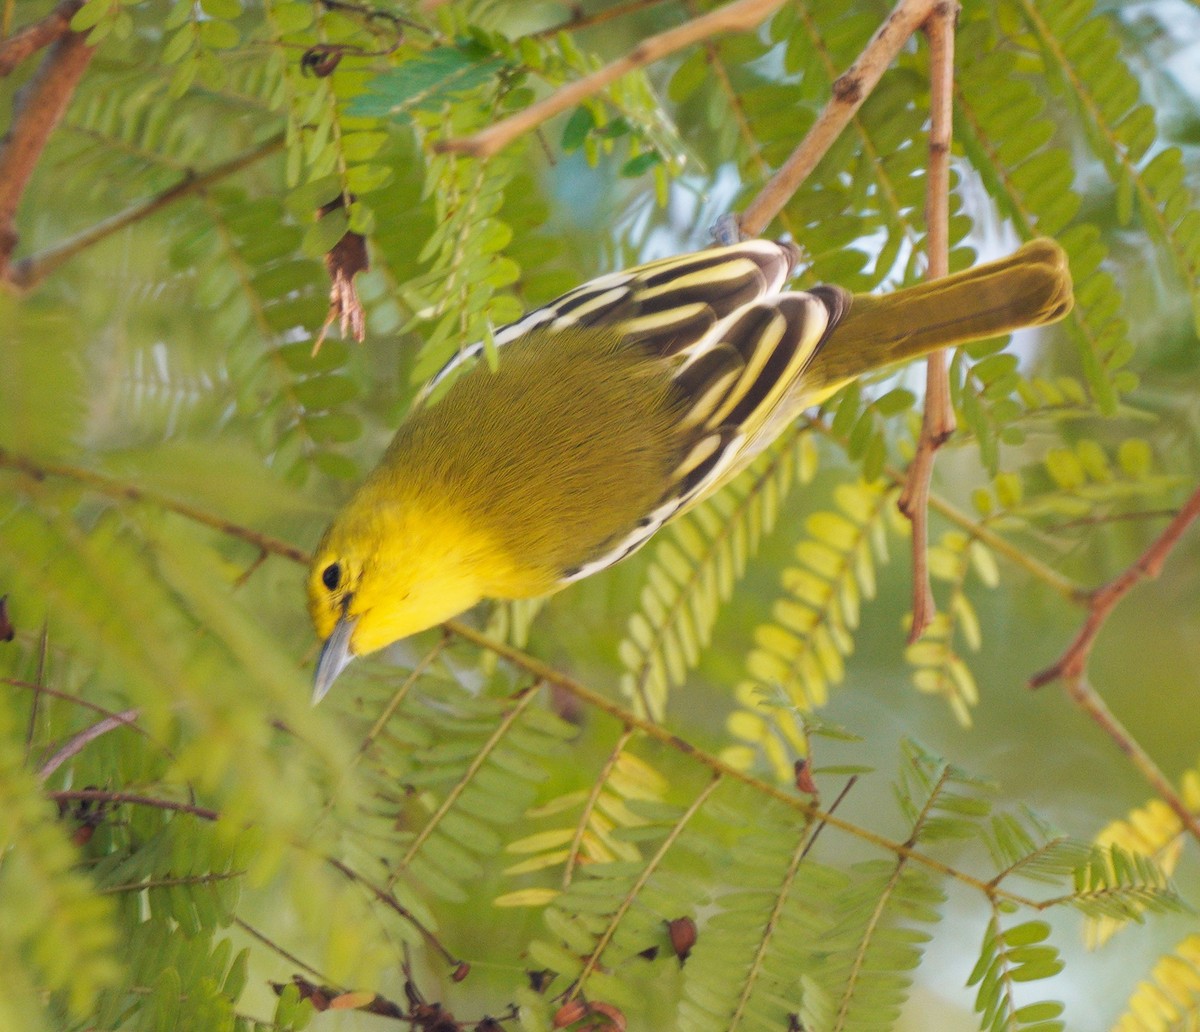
331,576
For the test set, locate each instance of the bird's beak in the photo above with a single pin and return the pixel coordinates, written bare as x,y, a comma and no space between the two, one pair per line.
334,658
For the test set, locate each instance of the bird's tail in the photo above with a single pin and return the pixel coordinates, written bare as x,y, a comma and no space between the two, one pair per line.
1030,287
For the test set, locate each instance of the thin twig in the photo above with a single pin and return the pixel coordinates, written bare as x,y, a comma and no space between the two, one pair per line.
31,38
113,488
100,795
28,272
291,958
1071,667
37,109
546,673
937,423
740,16
66,697
737,107
88,734
586,20
1021,557
658,733
39,686
389,900
849,91
1081,692
1073,663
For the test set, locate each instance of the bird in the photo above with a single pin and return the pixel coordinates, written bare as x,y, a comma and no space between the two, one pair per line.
610,411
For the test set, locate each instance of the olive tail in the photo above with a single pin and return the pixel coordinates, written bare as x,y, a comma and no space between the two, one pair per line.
1030,287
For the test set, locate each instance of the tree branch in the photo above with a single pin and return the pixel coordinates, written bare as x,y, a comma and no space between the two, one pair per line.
580,20
101,796
88,734
28,272
119,489
29,40
1071,667
739,16
937,423
389,900
849,91
36,111
806,808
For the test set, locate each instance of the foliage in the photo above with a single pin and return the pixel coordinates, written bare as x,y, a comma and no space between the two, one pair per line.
554,804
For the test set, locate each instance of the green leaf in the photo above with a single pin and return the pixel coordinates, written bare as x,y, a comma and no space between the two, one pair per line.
426,82
578,126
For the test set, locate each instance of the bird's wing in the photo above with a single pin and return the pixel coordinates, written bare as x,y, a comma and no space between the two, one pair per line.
666,306
739,384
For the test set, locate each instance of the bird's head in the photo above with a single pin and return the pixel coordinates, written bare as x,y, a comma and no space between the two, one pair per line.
379,576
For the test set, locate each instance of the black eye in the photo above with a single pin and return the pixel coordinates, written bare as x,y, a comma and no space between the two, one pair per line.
331,575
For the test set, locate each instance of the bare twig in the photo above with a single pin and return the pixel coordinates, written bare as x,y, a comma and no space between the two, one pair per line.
585,20
119,489
31,38
28,272
291,958
849,91
36,111
1071,667
937,424
39,686
603,704
739,16
543,672
389,900
737,107
12,682
102,796
88,734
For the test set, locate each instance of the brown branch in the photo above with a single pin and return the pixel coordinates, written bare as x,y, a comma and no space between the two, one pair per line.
28,272
937,423
29,40
739,16
291,958
584,20
39,685
118,489
849,91
101,796
1071,667
88,734
37,109
42,689
390,901
544,672
552,677
737,107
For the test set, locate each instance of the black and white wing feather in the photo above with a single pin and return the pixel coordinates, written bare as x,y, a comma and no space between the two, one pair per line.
664,306
733,342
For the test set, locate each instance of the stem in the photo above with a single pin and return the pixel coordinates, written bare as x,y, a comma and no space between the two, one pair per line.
29,39
37,109
101,796
739,16
849,91
114,488
1071,667
28,272
937,423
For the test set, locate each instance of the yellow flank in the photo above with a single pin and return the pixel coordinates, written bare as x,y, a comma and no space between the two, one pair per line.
615,408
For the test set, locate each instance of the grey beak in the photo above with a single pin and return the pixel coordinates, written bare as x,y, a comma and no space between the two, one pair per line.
334,658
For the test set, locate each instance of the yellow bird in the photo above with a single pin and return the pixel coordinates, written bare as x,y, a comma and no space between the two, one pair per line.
614,408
